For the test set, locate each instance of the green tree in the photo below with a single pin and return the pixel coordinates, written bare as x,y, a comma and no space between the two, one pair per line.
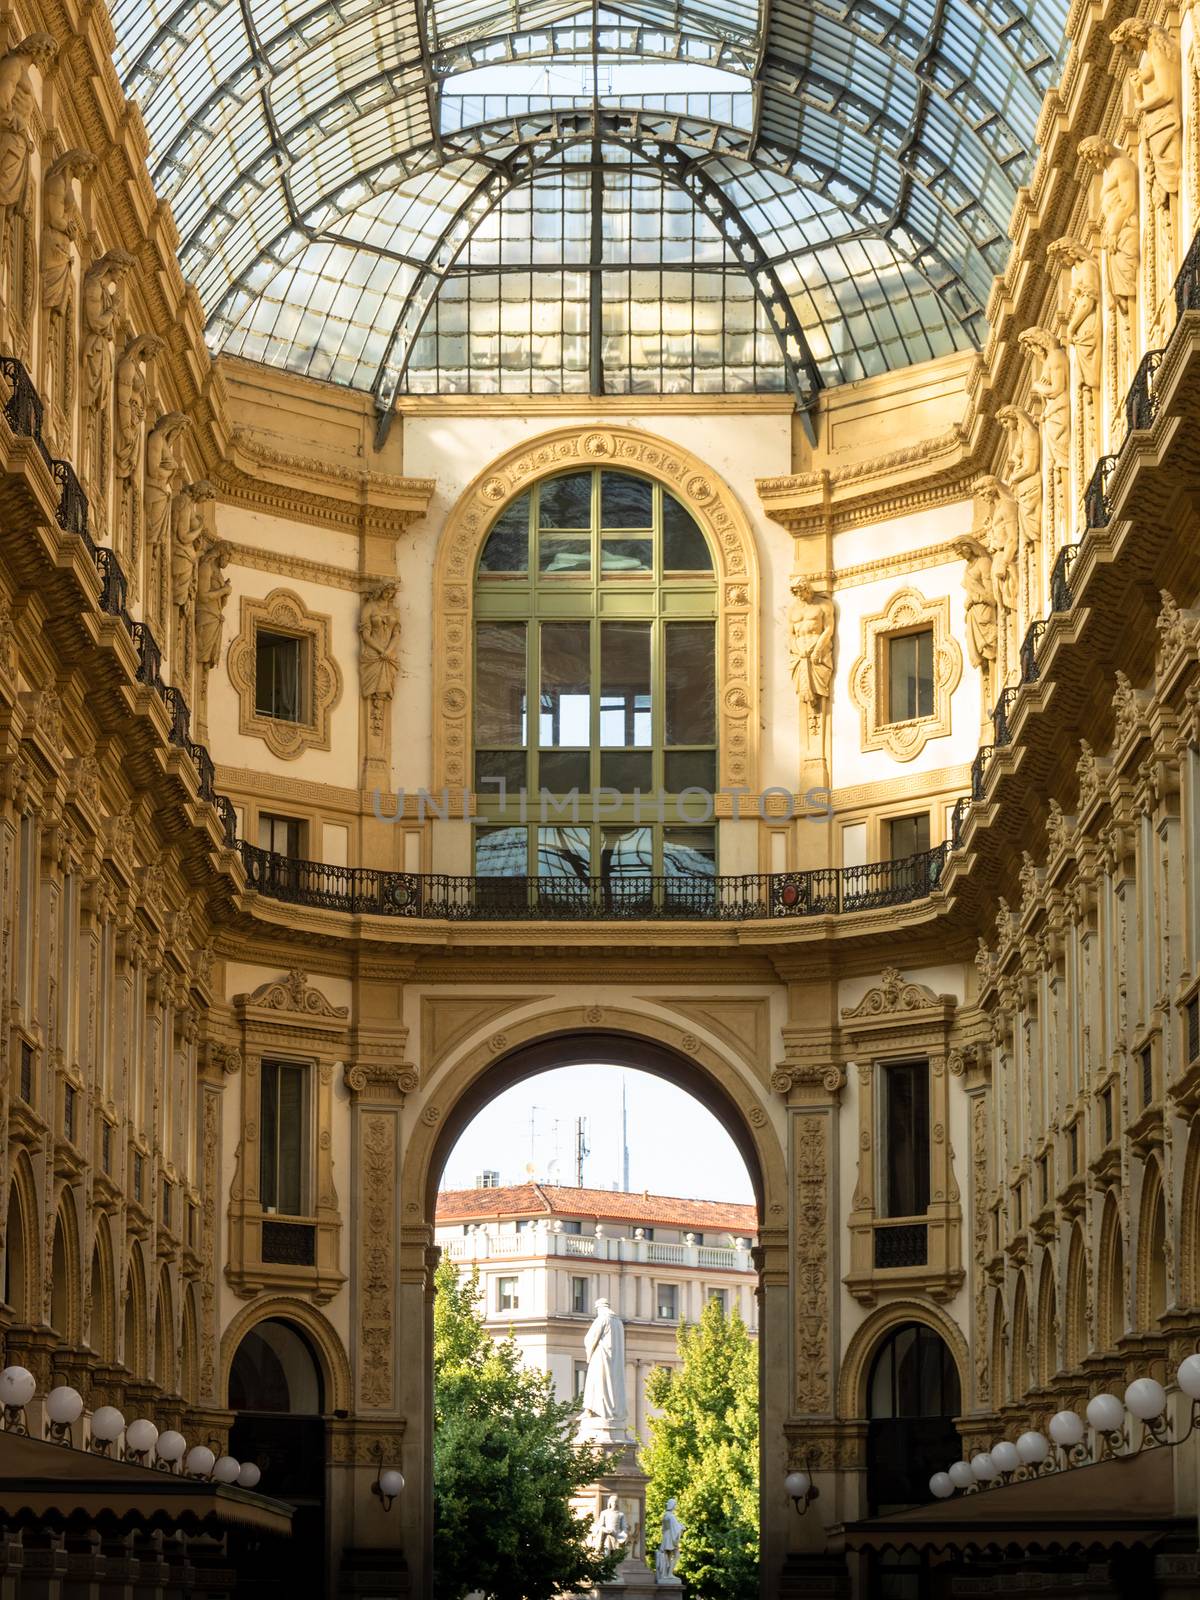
704,1450
505,1465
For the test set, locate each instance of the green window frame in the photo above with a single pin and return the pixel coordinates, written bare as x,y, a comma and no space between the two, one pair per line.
596,602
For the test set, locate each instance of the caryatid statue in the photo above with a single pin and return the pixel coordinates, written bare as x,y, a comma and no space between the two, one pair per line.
188,532
1119,221
1052,386
1082,306
1002,534
668,1547
811,624
604,1407
1023,469
17,108
100,304
162,464
979,601
62,226
131,402
1157,98
212,595
379,646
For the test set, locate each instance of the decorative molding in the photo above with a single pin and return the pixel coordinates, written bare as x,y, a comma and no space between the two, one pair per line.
814,1355
286,613
378,1157
893,994
293,993
710,502
907,611
291,566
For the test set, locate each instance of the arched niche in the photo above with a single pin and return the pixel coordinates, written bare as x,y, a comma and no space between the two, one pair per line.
1110,1279
317,1334
869,1335
1152,1250
713,505
22,1291
66,1291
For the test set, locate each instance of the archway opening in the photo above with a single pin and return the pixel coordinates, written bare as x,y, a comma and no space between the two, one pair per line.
599,1167
60,1283
277,1392
15,1295
913,1396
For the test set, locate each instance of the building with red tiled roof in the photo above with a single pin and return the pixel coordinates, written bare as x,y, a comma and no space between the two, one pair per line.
546,1253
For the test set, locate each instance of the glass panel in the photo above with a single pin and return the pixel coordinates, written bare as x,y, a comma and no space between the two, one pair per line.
627,770
557,555
566,699
501,852
906,1131
691,686
500,683
626,555
291,1140
689,852
625,684
690,769
626,852
566,502
625,502
910,676
507,547
685,549
560,771
564,852
494,766
908,835
277,676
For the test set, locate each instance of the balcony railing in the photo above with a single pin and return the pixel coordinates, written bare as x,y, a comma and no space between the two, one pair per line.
1096,509
1141,403
1029,650
1061,598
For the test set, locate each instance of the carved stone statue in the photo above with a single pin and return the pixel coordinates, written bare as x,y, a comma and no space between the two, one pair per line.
1082,306
1052,386
212,596
62,226
668,1549
604,1408
17,107
980,602
811,627
131,402
188,532
1023,469
162,464
101,304
379,650
1118,217
1002,536
1157,97
610,1531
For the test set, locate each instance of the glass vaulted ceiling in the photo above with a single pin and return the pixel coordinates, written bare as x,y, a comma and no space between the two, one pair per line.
470,196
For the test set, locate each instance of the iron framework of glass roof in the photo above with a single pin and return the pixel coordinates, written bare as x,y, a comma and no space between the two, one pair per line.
474,196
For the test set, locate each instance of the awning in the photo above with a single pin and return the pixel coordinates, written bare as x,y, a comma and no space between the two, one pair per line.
1124,1500
39,1480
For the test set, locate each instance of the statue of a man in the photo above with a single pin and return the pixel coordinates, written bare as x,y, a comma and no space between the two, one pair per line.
1118,217
668,1549
810,647
17,109
1156,90
212,595
131,402
1023,468
1052,386
379,650
1082,309
62,226
979,599
100,304
161,466
610,1531
604,1409
1003,540
187,535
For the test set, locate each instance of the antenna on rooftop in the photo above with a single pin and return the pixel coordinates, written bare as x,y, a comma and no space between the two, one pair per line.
624,1138
582,1149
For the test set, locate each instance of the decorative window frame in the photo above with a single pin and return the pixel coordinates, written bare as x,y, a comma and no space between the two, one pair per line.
281,611
735,568
908,611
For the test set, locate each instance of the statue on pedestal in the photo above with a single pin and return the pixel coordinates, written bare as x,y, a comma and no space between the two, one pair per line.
811,625
610,1531
604,1409
668,1549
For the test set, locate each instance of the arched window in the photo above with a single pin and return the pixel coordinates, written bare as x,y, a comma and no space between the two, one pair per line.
15,1295
596,602
1021,1376
1076,1319
913,1396
274,1369
1152,1271
1047,1324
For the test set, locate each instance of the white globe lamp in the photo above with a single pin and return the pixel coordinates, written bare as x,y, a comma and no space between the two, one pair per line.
200,1461
983,1467
249,1477
1106,1413
1033,1448
1005,1456
226,1469
1145,1399
961,1475
170,1447
941,1486
1067,1429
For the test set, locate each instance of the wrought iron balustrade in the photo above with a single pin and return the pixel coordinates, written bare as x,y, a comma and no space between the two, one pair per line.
1000,715
72,513
365,891
114,589
1096,509
1141,403
1061,596
901,1245
1187,281
979,770
177,710
23,409
1029,650
149,669
958,820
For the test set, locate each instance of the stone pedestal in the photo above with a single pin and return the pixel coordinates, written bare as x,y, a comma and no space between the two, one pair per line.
633,1580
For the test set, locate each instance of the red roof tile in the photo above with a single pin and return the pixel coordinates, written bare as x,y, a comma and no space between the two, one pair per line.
594,1205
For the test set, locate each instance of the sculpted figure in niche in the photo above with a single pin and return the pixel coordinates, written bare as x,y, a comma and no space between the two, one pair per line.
1023,469
188,532
1002,536
980,602
101,305
379,650
1157,98
131,402
62,226
810,649
212,595
1118,218
1082,306
17,107
162,464
1052,387
610,1531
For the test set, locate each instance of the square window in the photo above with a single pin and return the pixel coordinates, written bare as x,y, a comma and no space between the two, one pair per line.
910,675
721,1298
506,1294
668,1302
907,836
279,669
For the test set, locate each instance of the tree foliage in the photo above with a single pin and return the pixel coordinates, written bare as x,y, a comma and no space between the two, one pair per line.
704,1450
505,1465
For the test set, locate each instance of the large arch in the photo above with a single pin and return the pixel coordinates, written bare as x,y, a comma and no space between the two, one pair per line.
1188,1286
66,1290
869,1335
164,1334
711,502
1022,1377
463,1083
101,1331
322,1336
134,1352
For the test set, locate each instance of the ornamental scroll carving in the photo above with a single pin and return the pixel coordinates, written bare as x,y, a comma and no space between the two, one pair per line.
293,993
814,1359
707,500
892,995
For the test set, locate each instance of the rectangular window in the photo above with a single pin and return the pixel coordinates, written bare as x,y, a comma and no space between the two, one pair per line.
69,1103
1147,1064
668,1302
907,836
565,707
166,1204
139,1165
721,1296
910,676
572,1225
1044,1179
1192,1027
506,1294
580,1378
283,1137
500,684
690,681
279,660
106,1146
579,1294
1073,1144
1107,1108
284,835
625,732
905,1117
26,1072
